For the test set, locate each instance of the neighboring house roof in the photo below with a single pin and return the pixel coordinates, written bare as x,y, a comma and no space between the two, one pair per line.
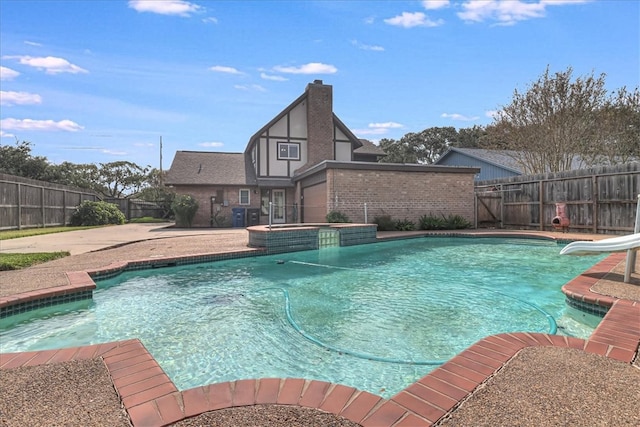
369,147
505,159
209,168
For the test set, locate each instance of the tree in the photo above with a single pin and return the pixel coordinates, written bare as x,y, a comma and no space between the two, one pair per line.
19,161
433,142
422,147
122,178
397,151
473,137
619,125
83,175
158,193
558,120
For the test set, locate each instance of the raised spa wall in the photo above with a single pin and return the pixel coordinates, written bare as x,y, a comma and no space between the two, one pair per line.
302,237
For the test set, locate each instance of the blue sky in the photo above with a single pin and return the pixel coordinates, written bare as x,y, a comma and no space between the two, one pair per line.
100,81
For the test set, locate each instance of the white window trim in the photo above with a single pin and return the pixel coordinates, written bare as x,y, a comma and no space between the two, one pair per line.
288,144
248,196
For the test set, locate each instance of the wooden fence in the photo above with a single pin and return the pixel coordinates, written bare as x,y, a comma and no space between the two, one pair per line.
600,200
27,203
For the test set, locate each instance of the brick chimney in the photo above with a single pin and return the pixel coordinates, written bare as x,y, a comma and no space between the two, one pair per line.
319,124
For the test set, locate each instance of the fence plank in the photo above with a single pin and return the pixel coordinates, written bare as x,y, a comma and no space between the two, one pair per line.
599,200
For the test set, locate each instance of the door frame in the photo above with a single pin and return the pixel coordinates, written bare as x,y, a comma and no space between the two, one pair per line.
275,218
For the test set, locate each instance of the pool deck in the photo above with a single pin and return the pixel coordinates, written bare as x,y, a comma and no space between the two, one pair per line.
151,399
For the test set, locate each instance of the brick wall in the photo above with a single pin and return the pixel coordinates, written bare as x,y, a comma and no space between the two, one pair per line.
203,195
231,194
319,124
400,194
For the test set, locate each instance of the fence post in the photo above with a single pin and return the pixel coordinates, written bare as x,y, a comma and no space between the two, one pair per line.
270,213
594,200
541,191
18,198
366,221
42,207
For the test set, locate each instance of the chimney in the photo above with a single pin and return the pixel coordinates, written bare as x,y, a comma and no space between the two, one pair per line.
319,123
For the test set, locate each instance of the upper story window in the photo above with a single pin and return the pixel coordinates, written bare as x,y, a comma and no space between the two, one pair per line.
244,197
288,151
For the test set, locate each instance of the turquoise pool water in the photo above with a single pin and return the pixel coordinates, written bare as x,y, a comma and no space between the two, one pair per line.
376,317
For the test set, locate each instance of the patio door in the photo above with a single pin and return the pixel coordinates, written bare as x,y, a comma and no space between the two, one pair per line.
277,197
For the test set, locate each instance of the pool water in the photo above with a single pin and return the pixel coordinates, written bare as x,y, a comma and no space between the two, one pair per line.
376,317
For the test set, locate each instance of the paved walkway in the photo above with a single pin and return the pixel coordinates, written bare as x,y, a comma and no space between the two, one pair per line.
82,241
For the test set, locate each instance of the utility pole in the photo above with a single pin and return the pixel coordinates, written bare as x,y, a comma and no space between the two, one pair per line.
161,178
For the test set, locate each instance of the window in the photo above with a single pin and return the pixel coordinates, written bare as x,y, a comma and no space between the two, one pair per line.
287,151
244,197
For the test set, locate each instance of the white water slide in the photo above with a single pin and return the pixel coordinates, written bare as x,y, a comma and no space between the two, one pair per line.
614,244
630,244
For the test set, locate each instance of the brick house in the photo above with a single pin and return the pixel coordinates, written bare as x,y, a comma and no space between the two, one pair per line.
305,163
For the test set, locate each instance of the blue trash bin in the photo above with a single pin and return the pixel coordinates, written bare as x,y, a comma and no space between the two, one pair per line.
237,219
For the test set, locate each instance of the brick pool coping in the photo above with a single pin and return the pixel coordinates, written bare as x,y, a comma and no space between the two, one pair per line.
151,398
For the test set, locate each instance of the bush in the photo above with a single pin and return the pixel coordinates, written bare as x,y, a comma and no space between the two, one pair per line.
97,213
451,222
385,223
432,222
335,216
184,207
455,222
404,225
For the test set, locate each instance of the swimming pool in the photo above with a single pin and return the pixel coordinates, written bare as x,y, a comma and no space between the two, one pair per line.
376,317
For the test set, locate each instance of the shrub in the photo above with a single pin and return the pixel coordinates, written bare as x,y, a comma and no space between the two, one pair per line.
455,222
336,216
432,222
404,225
385,223
451,222
97,213
184,207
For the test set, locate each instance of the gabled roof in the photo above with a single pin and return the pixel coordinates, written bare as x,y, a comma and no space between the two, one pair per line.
210,168
336,121
505,159
369,147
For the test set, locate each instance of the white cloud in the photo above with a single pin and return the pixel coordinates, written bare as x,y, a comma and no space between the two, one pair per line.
492,113
166,7
40,125
275,78
4,134
30,43
310,68
224,69
50,64
211,144
378,128
435,4
19,98
210,20
363,46
7,74
257,88
456,116
386,125
508,12
413,19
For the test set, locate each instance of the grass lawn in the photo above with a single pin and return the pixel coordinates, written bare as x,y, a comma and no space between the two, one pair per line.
26,232
18,261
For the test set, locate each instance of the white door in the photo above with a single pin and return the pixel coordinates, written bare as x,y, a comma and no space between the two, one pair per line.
278,206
